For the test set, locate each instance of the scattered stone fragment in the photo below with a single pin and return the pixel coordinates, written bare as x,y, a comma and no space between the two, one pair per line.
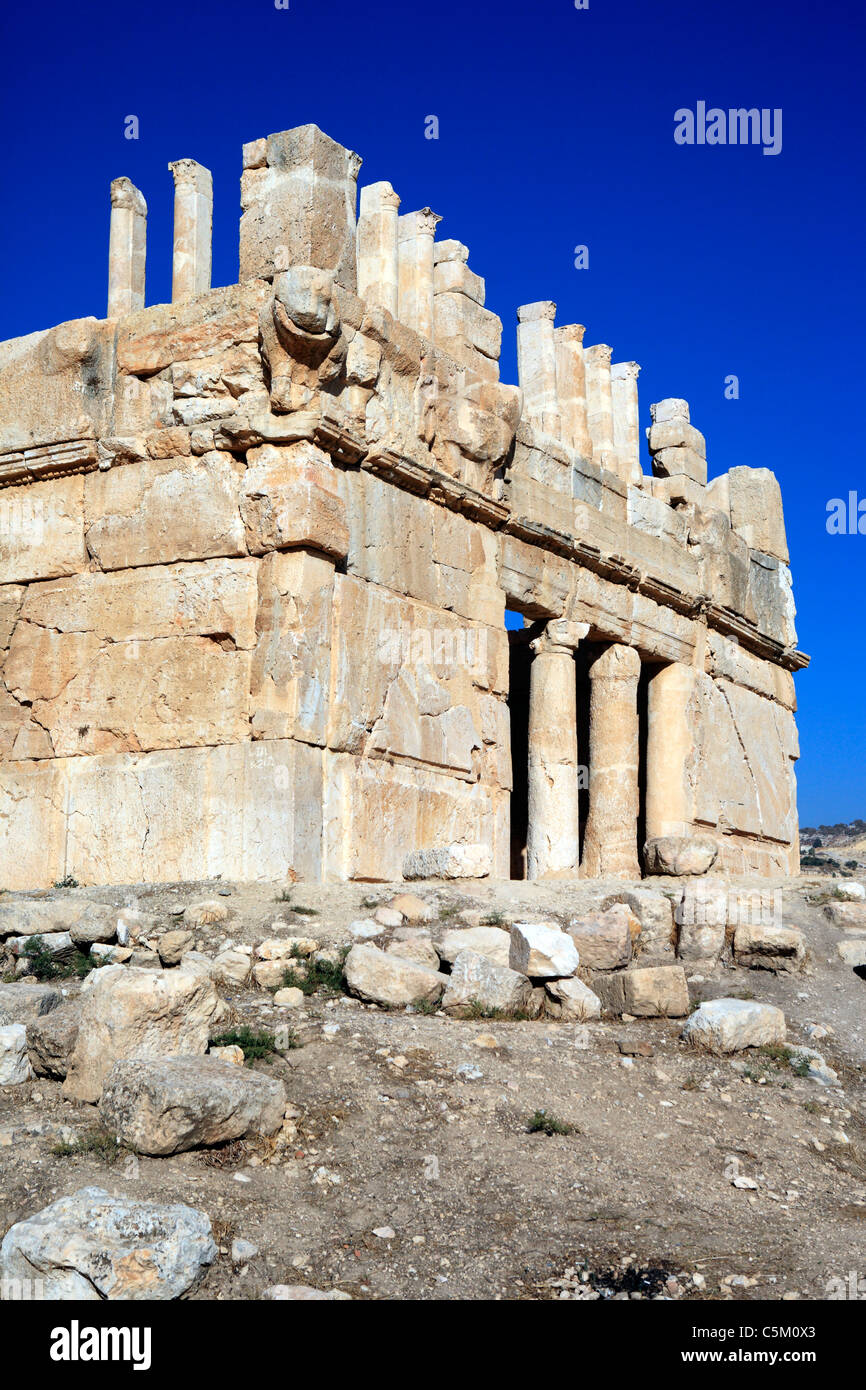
231,1054
680,854
477,980
365,928
269,974
14,1062
457,861
542,950
604,940
849,892
234,966
99,924
166,1105
51,1039
110,955
388,917
243,1251
287,948
414,909
492,942
289,998
730,1025
173,946
701,918
767,947
20,1003
90,1247
205,913
572,1000
654,912
127,1012
379,978
851,916
302,1293
852,952
631,1047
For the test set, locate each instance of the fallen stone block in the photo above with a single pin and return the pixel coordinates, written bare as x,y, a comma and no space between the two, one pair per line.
730,1025
91,1247
492,942
680,854
14,1062
572,1000
853,951
127,1012
658,991
850,916
99,924
767,947
701,920
457,861
413,909
420,949
166,1105
205,913
378,978
849,892
542,950
604,941
22,1003
173,946
43,917
476,979
51,1040
58,945
654,912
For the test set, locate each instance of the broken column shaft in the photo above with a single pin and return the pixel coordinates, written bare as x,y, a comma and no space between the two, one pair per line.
552,845
378,271
536,365
126,249
610,843
193,221
416,232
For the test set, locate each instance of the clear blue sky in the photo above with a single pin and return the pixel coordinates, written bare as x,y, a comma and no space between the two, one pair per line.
556,129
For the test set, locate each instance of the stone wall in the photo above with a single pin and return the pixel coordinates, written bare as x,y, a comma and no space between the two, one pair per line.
256,548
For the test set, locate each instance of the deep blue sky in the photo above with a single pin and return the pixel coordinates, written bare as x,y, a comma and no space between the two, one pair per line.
556,129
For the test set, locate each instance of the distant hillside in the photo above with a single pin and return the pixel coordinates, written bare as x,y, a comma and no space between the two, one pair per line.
846,835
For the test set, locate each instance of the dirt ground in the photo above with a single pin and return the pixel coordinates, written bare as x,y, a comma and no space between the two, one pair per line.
415,1175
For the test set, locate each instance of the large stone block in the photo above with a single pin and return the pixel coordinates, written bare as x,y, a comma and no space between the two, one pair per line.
163,510
755,500
729,1025
211,324
300,208
290,497
42,530
477,980
57,385
291,668
380,978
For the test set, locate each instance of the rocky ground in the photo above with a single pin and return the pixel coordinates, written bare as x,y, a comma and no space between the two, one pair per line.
415,1162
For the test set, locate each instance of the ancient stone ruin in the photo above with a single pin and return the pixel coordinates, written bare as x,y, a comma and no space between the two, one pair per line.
257,546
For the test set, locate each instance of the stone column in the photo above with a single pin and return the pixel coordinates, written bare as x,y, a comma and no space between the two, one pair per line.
553,845
626,420
599,404
378,275
610,842
415,234
571,388
669,746
126,249
193,222
536,365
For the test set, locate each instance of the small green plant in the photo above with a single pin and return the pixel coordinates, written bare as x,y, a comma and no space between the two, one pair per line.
812,1107
290,1040
284,896
424,1006
67,882
254,1043
691,1083
493,919
303,911
46,966
325,975
448,911
544,1123
94,1143
800,1065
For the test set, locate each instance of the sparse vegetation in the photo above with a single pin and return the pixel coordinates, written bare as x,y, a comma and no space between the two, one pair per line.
424,1006
324,975
67,882
544,1123
93,1143
254,1043
46,966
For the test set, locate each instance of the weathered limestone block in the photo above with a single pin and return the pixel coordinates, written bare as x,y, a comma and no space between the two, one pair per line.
542,950
771,597
42,530
729,1025
127,1012
193,219
702,920
21,1003
769,947
755,500
452,861
656,991
379,978
610,841
654,913
415,234
599,404
300,209
669,796
572,1001
91,1247
571,388
680,854
849,916
290,498
375,812
676,433
291,667
126,248
210,326
165,510
677,449
418,948
626,420
14,1062
165,1105
604,941
56,389
461,323
728,660
492,942
476,979
51,1040
680,463
477,424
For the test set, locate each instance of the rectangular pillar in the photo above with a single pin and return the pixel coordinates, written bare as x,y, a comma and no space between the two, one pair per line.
571,388
126,249
193,224
536,365
378,274
415,234
626,420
